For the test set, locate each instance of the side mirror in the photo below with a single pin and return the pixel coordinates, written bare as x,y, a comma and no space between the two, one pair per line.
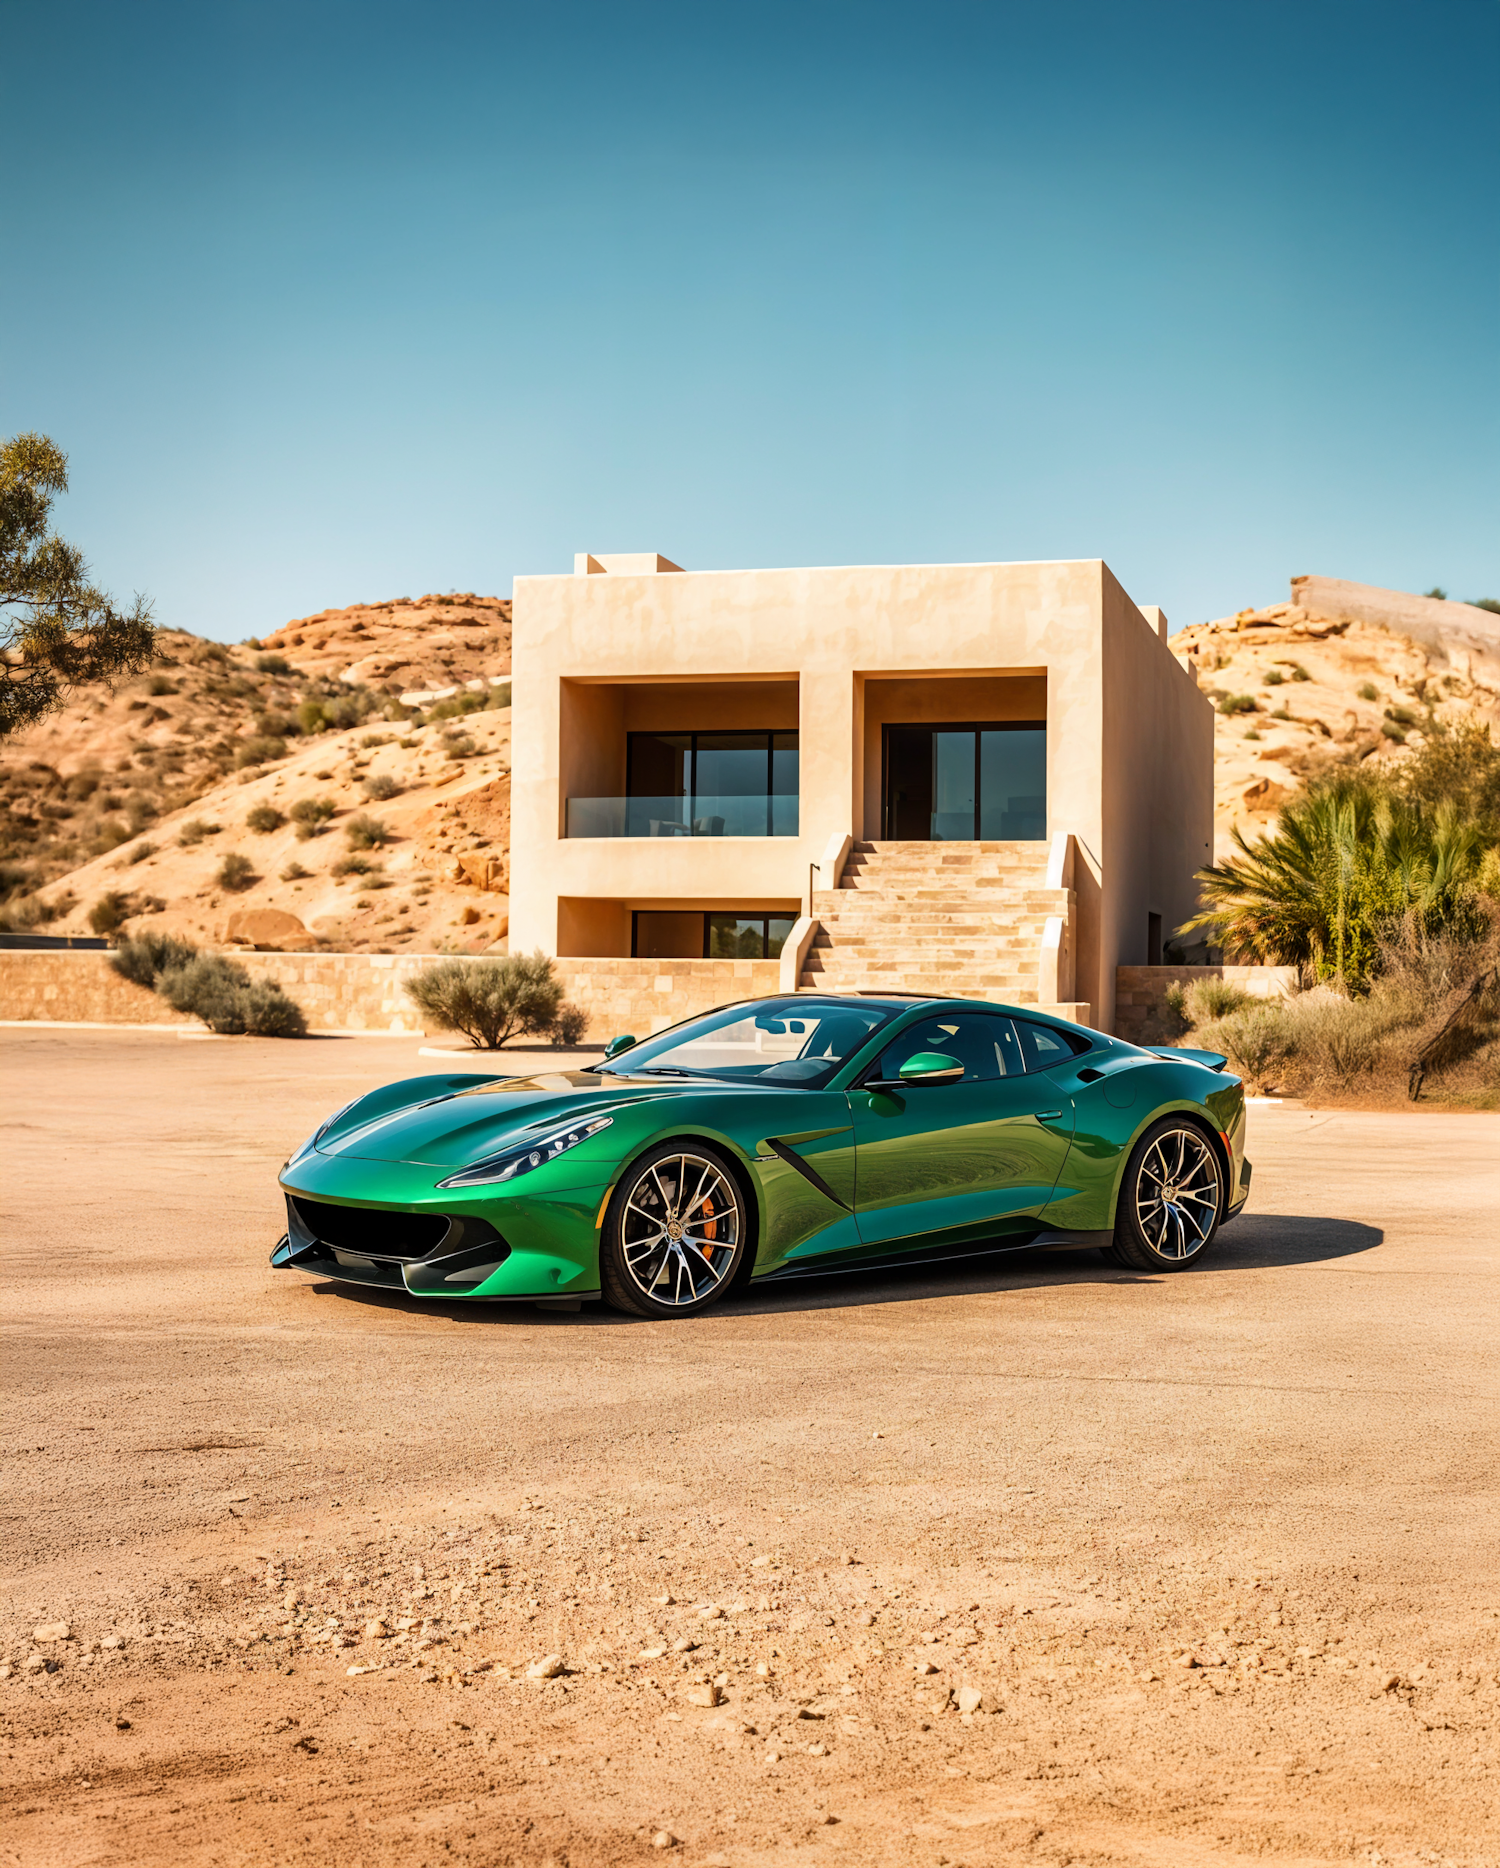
623,1043
932,1067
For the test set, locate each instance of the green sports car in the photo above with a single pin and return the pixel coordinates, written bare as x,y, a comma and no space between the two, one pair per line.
767,1140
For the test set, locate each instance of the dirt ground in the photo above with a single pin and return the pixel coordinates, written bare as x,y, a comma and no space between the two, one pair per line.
1217,1555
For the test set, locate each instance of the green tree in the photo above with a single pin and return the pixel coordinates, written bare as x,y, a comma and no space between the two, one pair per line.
1348,863
57,631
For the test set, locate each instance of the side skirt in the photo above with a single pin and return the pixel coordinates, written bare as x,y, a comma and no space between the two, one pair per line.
1049,1239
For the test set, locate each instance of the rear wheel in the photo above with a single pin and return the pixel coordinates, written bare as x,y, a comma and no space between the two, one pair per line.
676,1232
1171,1199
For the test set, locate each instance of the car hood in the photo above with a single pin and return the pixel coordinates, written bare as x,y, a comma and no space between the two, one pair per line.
459,1126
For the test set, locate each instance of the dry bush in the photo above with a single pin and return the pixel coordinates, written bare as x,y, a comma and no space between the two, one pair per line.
229,1001
569,1025
146,957
489,1001
235,873
364,832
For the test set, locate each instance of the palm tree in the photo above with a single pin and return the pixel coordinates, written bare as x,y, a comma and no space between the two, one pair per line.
1347,862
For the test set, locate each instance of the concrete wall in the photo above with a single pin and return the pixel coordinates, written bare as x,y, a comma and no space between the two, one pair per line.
1158,812
1142,1015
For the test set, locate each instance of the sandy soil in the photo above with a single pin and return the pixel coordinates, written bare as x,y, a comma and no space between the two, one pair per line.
1049,1482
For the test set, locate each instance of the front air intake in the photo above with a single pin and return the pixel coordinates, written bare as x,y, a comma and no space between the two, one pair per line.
373,1232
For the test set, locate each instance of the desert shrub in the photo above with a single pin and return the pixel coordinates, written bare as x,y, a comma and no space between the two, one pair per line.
1274,677
273,665
1334,1038
346,710
500,694
195,830
14,878
277,725
235,873
457,705
202,652
310,716
1367,690
262,749
141,851
489,1001
145,957
262,818
380,786
1238,703
1207,999
364,832
569,1025
161,684
1255,1039
34,911
311,816
1252,734
1491,604
294,872
110,913
372,740
353,866
228,1000
1299,673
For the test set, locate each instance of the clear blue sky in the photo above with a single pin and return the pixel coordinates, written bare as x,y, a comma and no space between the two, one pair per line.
336,302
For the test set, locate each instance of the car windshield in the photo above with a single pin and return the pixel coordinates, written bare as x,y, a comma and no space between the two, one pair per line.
799,1043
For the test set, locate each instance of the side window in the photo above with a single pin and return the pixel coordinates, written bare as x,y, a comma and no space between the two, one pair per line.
986,1047
1043,1046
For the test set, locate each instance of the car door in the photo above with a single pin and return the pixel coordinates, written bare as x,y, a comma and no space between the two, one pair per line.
948,1162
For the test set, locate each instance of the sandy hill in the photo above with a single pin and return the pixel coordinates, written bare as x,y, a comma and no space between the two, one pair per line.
1340,672
145,791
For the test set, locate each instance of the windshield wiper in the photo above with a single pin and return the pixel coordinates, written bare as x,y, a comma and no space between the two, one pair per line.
668,1070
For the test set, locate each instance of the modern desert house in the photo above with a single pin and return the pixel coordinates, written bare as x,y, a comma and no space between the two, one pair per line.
988,779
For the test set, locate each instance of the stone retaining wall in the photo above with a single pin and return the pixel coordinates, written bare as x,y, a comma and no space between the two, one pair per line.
363,992
1142,1015
642,996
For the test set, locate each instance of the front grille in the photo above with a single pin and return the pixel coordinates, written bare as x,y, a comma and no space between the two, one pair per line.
372,1232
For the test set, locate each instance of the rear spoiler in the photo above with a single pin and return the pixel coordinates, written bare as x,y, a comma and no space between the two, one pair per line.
1211,1060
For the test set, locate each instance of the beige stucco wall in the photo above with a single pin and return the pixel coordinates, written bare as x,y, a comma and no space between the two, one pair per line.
1064,630
1157,828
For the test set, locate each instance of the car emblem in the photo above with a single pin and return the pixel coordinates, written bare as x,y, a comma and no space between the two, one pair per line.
674,1231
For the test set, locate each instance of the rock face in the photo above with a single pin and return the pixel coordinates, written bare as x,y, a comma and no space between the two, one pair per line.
424,645
268,930
144,792
1299,689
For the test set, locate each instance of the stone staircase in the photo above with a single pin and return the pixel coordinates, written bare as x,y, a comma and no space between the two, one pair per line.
962,919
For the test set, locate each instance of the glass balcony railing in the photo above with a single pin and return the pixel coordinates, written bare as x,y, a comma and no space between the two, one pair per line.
700,816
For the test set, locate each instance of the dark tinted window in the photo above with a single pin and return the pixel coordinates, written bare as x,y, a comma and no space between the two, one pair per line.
1043,1046
986,1046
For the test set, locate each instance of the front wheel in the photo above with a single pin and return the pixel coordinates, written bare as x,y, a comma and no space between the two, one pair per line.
676,1232
1171,1199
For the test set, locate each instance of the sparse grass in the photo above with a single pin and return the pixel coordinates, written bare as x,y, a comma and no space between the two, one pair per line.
1273,677
1299,673
262,749
273,665
195,830
1238,703
1367,690
1252,734
380,786
353,866
263,818
294,872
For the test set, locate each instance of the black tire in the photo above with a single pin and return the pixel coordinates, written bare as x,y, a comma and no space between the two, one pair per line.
677,1232
1170,1229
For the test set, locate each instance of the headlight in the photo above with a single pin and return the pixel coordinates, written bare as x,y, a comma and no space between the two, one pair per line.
522,1159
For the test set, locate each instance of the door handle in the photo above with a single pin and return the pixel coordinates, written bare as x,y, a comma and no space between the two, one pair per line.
1049,1115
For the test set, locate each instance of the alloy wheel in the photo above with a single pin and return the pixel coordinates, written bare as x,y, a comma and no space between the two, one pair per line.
679,1229
1177,1194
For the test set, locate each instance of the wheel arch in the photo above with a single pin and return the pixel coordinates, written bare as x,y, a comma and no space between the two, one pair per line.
1193,1113
745,1179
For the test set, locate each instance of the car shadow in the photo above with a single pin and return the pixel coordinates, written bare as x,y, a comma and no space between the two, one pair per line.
1254,1242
